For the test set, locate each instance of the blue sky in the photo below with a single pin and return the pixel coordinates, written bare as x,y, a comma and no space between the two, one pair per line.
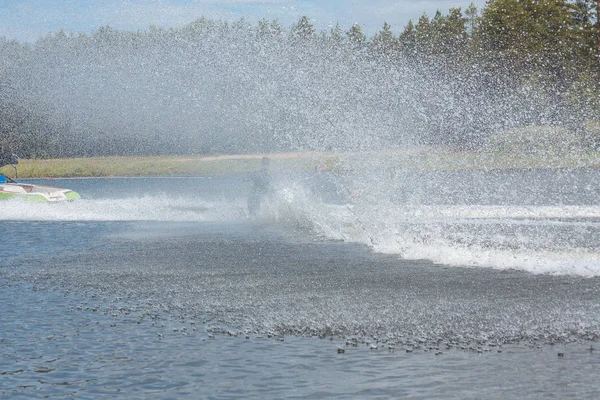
27,20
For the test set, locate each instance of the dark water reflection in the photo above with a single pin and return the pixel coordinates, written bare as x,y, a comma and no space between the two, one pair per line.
50,348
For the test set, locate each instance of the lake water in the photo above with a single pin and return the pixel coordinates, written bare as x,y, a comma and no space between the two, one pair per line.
164,288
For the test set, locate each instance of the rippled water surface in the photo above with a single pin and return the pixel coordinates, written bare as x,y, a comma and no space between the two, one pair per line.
136,292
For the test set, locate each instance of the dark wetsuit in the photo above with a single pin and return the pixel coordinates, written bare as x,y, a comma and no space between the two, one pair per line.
261,185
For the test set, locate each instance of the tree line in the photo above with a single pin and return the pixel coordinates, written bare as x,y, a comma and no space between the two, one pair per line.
211,86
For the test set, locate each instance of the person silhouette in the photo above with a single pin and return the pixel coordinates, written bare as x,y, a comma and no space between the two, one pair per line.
261,185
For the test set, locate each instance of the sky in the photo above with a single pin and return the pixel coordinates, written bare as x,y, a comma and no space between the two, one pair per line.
28,20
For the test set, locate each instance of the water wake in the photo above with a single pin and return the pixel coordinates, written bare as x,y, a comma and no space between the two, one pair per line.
550,239
143,208
538,239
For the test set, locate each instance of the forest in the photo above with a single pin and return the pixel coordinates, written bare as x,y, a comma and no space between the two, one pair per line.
454,80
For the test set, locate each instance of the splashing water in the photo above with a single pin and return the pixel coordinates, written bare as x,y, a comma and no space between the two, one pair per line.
144,208
549,238
212,88
555,229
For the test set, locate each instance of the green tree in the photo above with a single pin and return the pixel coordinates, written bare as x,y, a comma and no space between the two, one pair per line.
456,25
356,36
587,17
384,41
472,14
423,35
336,34
303,30
527,30
585,30
408,39
269,30
444,34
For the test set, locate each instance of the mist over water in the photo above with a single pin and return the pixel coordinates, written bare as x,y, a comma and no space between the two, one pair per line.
386,236
216,87
555,230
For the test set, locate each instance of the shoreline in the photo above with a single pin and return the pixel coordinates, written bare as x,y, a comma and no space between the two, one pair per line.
148,166
427,159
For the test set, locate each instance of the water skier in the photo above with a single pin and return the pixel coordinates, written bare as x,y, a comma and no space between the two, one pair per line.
261,186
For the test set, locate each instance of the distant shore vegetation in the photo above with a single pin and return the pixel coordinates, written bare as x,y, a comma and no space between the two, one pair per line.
515,75
423,159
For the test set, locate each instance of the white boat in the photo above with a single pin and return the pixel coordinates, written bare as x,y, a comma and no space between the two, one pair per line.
9,189
37,193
